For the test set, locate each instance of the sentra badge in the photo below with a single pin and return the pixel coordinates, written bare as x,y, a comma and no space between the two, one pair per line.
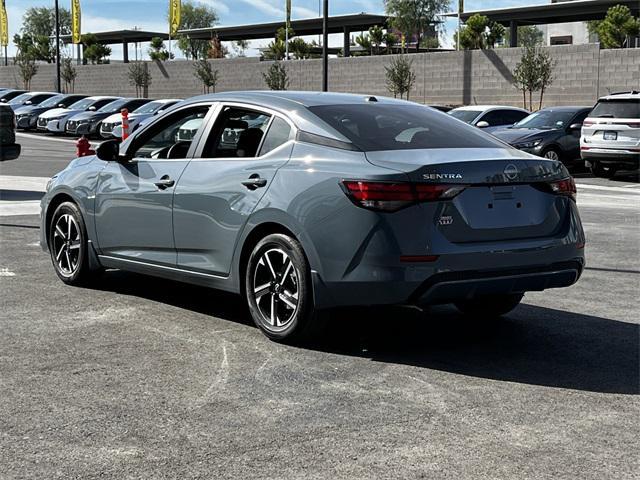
441,176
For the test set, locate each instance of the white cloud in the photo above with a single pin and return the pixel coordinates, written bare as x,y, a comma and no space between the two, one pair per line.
220,7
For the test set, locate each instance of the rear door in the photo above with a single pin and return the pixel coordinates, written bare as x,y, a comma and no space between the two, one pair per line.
134,199
221,187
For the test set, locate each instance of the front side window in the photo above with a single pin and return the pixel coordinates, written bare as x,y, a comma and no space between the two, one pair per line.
171,137
466,116
495,118
237,133
113,106
546,119
375,127
53,101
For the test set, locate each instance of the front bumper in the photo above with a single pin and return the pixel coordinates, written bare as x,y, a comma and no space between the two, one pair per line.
55,126
26,122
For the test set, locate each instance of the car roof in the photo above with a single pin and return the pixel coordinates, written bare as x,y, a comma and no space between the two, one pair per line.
566,108
42,93
103,97
622,96
484,108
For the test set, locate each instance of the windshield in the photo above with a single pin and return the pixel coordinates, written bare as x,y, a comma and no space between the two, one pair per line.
150,107
623,108
20,98
374,127
114,106
546,119
82,104
53,101
467,116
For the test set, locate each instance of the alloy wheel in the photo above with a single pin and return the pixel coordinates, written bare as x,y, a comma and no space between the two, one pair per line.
552,155
66,244
276,288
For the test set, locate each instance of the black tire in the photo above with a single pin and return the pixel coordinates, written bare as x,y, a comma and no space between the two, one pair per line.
69,253
490,305
273,286
599,171
552,153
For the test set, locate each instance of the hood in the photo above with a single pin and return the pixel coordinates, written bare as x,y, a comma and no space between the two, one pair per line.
520,135
116,117
90,116
26,109
56,112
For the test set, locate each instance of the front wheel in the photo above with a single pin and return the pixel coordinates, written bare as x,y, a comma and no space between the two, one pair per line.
552,154
278,288
68,245
490,305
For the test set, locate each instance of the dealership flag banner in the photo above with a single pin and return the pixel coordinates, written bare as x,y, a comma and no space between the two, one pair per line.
76,15
4,26
174,16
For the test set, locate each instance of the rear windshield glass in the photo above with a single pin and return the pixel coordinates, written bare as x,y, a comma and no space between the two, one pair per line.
467,116
374,127
627,108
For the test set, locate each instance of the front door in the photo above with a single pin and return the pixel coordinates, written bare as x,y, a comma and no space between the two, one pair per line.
134,198
221,187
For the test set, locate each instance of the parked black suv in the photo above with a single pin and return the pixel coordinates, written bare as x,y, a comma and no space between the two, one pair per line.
9,149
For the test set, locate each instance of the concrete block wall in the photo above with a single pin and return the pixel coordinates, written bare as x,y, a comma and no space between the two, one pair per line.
582,73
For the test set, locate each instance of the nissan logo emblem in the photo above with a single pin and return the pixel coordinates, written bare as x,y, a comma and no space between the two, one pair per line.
511,171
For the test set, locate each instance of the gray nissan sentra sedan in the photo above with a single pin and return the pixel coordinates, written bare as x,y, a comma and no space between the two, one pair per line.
303,201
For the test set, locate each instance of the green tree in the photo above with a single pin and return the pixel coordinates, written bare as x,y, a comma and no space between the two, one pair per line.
616,28
544,66
472,35
94,51
28,68
390,40
68,73
414,18
400,76
276,77
365,42
533,72
157,50
195,16
299,48
39,26
140,77
239,47
528,36
203,70
495,34
376,36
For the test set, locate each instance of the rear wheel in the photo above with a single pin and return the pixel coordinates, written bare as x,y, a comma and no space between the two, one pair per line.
490,305
599,171
68,245
278,289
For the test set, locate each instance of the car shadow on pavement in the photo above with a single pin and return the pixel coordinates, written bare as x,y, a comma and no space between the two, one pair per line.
532,345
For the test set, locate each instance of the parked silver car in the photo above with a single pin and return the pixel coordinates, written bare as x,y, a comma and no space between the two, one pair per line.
303,201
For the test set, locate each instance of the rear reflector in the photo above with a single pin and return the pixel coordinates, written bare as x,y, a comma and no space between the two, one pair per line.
419,258
393,196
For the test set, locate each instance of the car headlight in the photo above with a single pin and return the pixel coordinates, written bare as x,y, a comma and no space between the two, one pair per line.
531,144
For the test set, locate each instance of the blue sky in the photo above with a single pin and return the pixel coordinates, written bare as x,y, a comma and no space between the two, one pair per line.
100,15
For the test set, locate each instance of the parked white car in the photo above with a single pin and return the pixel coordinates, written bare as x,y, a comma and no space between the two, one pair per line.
610,137
489,117
112,126
55,120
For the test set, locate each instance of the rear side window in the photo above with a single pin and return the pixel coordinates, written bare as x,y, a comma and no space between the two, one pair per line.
513,116
375,127
279,132
236,133
623,108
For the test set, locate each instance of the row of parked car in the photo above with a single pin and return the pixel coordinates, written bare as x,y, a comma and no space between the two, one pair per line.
75,114
604,138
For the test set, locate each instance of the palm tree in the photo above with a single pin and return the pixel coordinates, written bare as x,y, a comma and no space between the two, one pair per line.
390,40
364,41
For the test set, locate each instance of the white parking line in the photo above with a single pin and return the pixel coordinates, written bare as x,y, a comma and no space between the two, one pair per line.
586,186
24,184
5,272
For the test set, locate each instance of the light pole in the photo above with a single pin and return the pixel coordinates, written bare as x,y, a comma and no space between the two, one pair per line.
325,46
58,86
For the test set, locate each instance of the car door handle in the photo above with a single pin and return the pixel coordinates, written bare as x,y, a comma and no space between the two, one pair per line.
165,182
254,181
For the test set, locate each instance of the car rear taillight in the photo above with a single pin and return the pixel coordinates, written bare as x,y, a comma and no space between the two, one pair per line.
587,123
565,187
393,196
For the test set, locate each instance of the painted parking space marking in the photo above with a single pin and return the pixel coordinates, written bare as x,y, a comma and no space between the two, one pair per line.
5,272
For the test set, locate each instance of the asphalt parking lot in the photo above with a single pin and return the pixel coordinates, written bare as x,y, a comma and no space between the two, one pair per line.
138,377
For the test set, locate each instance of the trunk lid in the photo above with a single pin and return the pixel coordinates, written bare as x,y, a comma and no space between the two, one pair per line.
506,195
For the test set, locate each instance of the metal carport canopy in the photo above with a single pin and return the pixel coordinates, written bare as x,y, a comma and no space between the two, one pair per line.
560,12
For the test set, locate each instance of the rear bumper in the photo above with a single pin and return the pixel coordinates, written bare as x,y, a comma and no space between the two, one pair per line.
611,158
455,286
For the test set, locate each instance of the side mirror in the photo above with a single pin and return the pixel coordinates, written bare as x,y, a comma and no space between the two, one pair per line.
10,152
61,105
92,108
482,124
109,151
28,102
575,126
